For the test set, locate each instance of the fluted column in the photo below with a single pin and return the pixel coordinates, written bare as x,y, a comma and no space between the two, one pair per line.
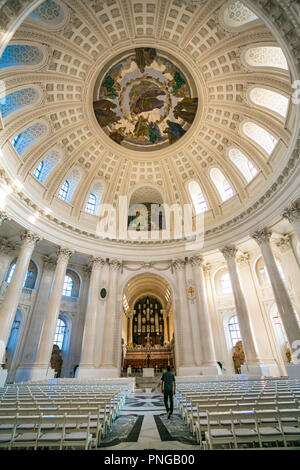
292,213
88,343
289,264
35,322
12,296
48,331
283,301
112,342
183,322
229,254
205,329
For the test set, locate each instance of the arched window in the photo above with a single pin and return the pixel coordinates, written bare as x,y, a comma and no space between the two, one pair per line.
226,283
16,55
270,99
64,190
60,333
266,56
234,330
31,276
198,199
29,136
223,186
91,204
242,163
17,100
259,135
48,164
68,286
69,186
38,171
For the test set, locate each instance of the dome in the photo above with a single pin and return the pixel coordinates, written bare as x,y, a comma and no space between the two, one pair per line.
170,103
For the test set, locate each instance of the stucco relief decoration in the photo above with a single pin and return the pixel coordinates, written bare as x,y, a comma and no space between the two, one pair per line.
145,100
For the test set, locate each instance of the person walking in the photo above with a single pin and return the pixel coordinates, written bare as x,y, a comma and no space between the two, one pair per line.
168,388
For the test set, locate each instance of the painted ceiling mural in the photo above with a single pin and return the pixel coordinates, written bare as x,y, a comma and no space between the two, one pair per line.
144,100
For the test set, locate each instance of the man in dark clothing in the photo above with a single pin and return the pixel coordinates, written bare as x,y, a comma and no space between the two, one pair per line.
168,388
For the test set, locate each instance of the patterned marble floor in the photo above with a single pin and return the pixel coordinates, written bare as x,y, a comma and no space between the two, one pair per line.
142,424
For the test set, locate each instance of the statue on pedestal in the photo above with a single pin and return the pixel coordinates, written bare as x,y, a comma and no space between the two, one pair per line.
238,357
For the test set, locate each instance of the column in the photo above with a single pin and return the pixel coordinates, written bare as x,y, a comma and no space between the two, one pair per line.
185,348
11,300
87,361
252,361
259,319
112,326
289,265
283,301
209,363
41,368
35,323
292,213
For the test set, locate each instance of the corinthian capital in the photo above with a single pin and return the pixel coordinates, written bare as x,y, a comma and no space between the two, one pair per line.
262,236
284,243
179,264
29,239
206,268
64,253
5,246
49,262
229,252
243,259
97,262
292,213
196,260
115,265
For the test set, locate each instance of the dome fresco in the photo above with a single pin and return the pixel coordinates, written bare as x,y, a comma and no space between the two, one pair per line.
144,100
151,95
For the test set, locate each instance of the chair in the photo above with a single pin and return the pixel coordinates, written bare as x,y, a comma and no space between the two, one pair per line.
291,433
50,431
268,426
26,431
7,431
77,439
244,427
218,434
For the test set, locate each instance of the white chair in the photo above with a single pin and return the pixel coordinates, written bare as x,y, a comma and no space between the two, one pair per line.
268,427
50,431
218,434
77,439
290,430
244,427
26,431
7,431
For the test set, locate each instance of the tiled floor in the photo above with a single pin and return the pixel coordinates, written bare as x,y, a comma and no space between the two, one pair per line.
137,429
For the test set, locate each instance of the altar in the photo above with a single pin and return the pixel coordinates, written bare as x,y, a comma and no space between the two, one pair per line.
148,372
